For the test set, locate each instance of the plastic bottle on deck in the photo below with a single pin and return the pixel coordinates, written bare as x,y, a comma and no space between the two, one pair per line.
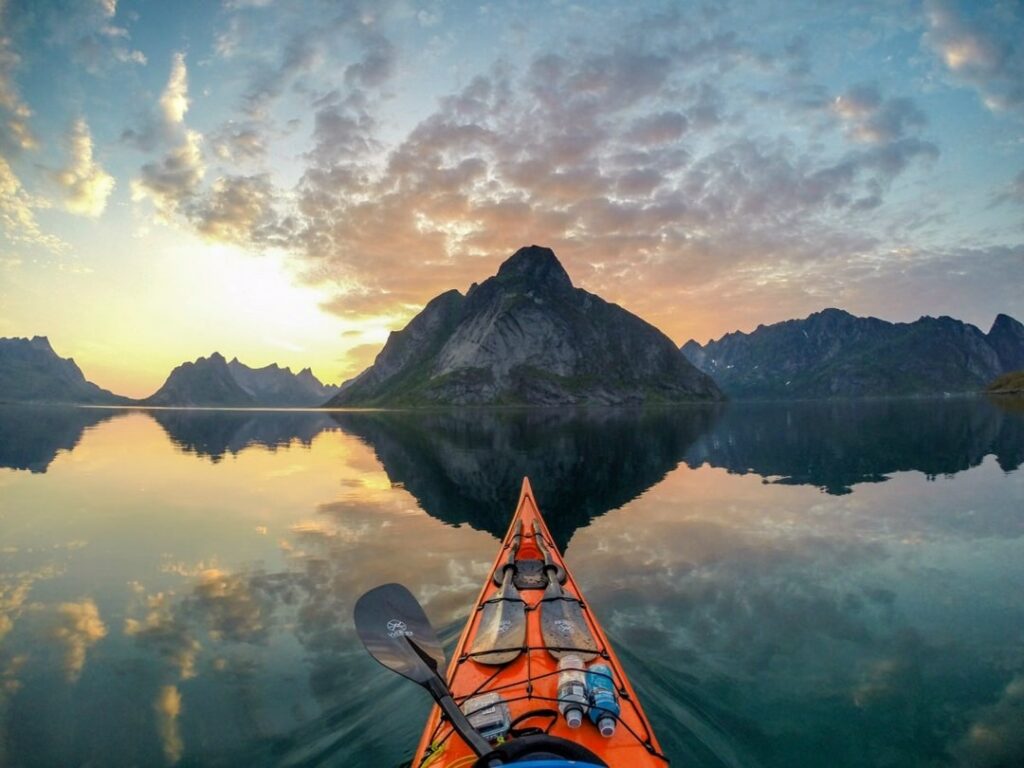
604,703
572,689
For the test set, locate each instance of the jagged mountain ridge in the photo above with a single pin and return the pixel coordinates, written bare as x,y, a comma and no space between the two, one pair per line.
213,381
31,372
526,336
833,353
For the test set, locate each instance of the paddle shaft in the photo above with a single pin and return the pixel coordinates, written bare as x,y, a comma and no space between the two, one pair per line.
549,564
439,690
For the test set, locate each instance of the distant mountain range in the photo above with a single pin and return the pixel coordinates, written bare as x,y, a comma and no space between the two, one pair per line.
835,354
526,336
31,372
213,381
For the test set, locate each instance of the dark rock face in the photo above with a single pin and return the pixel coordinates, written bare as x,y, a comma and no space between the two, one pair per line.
212,381
526,336
835,354
207,381
31,372
1007,339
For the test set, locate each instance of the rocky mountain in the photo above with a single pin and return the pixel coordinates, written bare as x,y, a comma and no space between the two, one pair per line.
31,372
526,336
835,354
213,381
207,381
273,385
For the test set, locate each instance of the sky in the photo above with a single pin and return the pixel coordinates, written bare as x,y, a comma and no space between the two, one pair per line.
290,181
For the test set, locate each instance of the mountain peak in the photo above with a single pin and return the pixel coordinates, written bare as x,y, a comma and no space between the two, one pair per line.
527,337
535,264
41,342
1005,322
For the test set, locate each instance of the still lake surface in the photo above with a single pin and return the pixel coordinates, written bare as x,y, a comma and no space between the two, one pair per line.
820,584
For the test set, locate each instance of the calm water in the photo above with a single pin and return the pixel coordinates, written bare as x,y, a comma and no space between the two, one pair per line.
830,584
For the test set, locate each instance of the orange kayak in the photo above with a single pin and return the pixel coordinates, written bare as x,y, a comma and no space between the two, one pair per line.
497,657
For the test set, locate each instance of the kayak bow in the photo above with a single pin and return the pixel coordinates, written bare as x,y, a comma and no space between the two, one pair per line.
528,682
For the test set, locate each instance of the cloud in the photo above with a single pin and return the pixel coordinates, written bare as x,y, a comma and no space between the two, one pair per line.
301,54
996,735
980,46
77,627
17,214
85,184
175,179
168,709
660,128
1011,193
15,111
237,144
174,99
237,209
163,631
871,119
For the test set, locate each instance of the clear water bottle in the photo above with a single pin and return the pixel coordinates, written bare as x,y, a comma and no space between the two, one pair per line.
572,689
604,704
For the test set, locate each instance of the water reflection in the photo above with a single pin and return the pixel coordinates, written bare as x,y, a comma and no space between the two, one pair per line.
836,444
31,436
204,605
467,467
214,433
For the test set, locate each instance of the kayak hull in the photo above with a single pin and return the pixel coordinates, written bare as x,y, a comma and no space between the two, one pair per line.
529,682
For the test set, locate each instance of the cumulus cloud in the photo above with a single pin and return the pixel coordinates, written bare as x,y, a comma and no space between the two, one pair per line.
301,54
237,209
237,144
174,179
980,46
85,184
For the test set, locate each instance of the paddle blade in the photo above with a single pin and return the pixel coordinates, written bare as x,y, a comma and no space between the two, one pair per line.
501,633
397,633
563,625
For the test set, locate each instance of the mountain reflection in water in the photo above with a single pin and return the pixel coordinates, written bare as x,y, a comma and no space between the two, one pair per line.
176,586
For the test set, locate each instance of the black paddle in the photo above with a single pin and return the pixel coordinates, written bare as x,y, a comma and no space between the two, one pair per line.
562,623
397,633
501,633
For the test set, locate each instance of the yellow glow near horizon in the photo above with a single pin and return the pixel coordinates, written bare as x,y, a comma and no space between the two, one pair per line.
187,299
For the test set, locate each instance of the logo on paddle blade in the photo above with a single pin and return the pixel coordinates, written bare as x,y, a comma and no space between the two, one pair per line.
563,626
398,628
504,627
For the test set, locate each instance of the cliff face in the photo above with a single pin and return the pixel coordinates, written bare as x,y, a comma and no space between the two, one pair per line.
835,354
527,336
1007,339
31,372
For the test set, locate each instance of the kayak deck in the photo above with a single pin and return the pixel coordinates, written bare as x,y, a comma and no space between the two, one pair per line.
529,682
